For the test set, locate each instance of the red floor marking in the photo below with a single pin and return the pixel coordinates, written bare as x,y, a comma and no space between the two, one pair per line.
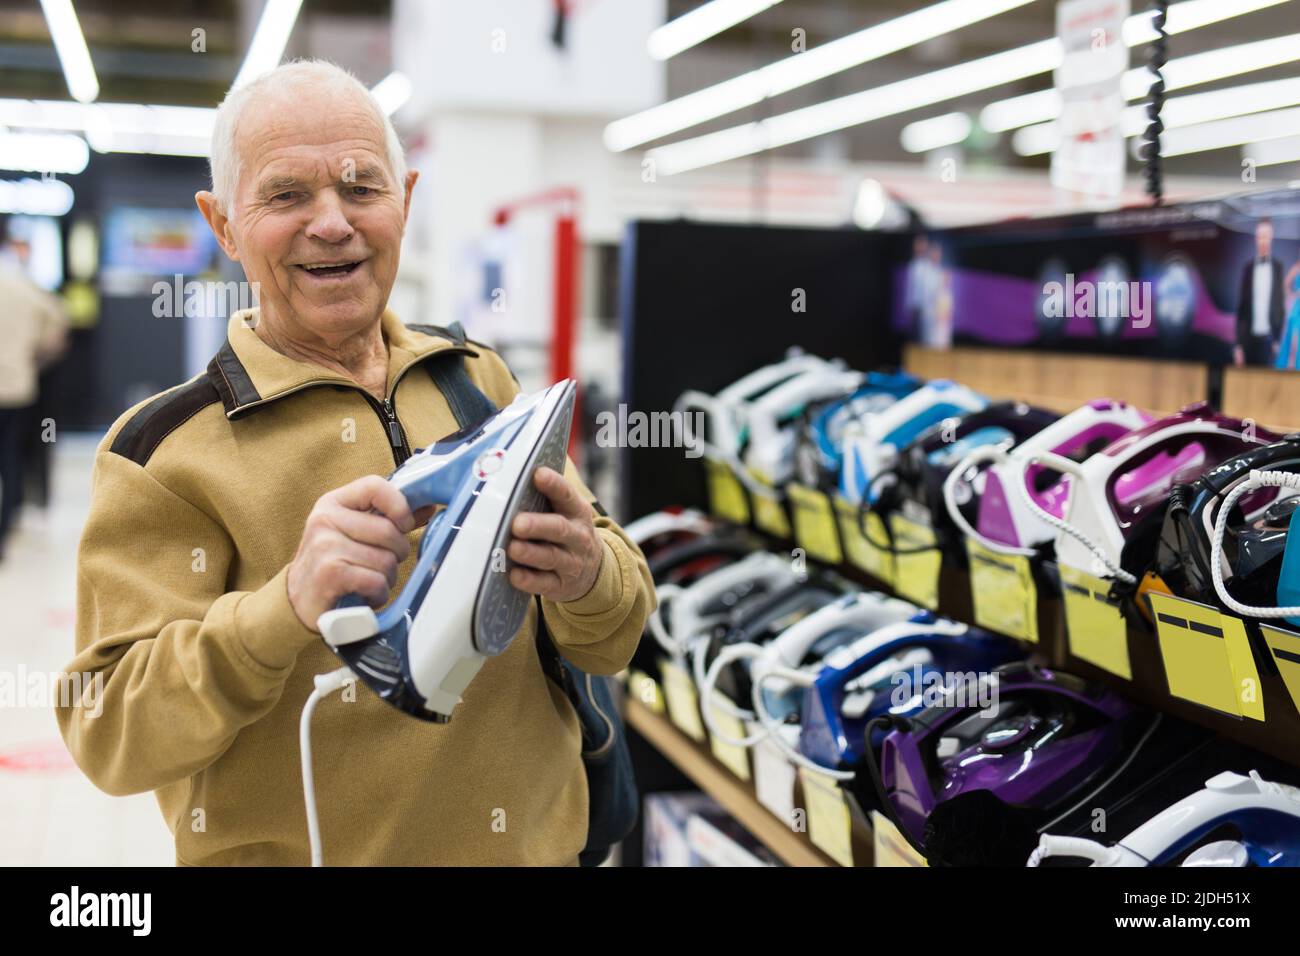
51,757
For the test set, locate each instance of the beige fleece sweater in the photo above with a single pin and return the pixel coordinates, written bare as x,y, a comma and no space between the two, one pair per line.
198,503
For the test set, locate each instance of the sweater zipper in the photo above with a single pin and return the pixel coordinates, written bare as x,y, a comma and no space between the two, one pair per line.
388,415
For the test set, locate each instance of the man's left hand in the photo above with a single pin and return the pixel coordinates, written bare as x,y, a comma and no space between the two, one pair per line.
557,555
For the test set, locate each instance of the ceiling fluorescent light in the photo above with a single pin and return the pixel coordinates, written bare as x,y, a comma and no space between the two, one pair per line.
70,45
1274,152
1177,113
701,23
801,69
269,41
58,153
1236,131
856,108
935,133
392,92
1197,68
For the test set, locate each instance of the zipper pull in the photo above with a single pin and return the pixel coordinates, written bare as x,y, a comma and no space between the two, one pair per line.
394,429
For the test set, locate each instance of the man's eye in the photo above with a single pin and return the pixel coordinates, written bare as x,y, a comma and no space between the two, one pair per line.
361,190
282,197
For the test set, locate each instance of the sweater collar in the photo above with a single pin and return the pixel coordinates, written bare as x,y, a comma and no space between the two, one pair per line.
248,374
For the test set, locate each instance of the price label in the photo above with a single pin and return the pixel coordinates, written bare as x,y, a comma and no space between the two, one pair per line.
769,513
917,563
860,550
1003,592
727,498
1094,625
815,529
731,756
644,688
774,778
830,825
1207,656
891,847
1285,648
683,702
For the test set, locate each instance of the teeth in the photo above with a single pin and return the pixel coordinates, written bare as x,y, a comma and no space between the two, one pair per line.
327,265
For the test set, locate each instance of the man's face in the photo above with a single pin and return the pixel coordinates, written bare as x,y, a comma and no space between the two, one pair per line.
315,190
1264,239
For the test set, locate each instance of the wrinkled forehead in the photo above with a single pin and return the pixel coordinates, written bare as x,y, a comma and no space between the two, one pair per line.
311,136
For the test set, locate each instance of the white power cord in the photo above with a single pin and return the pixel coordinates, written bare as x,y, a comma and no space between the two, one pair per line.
1256,481
978,456
1077,847
1069,467
326,684
772,726
656,621
708,686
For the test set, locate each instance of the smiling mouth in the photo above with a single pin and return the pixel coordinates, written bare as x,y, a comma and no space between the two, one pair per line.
329,270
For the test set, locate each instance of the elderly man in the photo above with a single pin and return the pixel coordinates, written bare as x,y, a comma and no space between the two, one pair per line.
229,512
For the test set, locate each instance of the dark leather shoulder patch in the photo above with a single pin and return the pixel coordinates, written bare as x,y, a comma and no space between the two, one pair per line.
146,429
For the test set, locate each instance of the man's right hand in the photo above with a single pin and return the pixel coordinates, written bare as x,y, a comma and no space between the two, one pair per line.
353,542
1238,355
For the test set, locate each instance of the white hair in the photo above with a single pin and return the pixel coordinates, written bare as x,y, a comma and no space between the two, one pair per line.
225,160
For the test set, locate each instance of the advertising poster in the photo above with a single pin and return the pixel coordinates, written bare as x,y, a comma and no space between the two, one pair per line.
1215,281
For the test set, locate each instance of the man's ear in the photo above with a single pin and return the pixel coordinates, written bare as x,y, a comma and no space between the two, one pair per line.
218,222
411,177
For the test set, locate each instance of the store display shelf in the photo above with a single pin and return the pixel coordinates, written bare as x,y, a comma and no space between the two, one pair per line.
735,796
1277,735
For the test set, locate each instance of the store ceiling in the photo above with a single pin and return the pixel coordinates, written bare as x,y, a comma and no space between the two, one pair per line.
767,37
143,55
142,49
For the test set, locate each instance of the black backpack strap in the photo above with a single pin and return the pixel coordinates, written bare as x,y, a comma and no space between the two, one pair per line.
467,401
552,665
471,406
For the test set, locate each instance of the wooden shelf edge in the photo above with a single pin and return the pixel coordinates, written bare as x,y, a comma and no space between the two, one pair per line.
793,849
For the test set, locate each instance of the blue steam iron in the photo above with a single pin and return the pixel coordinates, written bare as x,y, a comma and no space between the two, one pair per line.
458,607
1262,817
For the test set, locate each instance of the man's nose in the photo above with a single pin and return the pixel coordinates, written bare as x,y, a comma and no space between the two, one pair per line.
328,221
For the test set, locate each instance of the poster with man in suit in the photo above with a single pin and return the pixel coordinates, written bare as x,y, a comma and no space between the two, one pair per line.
1260,302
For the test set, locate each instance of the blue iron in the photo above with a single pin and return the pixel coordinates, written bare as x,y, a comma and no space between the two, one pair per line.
1260,819
458,608
887,672
819,451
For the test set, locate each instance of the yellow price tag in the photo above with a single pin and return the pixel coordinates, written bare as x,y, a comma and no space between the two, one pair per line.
1094,624
727,498
1207,656
917,563
645,689
830,826
891,847
1003,592
769,513
683,702
814,523
859,551
1285,648
734,758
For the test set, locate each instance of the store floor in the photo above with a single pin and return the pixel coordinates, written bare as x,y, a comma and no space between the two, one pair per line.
50,814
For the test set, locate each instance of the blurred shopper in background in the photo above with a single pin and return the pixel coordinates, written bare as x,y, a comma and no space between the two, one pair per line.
33,333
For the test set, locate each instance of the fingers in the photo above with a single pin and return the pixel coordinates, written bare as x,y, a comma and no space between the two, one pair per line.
373,492
554,528
544,583
370,529
544,557
563,496
367,582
